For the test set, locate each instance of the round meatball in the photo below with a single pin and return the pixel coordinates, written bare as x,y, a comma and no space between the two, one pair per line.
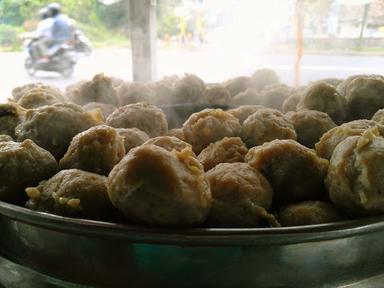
99,89
208,126
309,213
129,93
53,127
11,115
169,143
160,187
333,81
342,87
133,137
275,95
266,125
264,77
97,150
189,89
163,93
39,96
226,150
244,111
355,174
333,137
247,97
364,97
295,172
379,116
22,165
5,138
310,125
291,102
237,85
73,193
241,195
177,132
19,92
217,95
323,97
143,116
106,109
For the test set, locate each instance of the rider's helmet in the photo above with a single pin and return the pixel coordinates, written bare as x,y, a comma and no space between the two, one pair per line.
54,9
44,13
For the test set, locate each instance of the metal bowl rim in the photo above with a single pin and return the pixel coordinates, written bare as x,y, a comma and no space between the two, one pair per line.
193,236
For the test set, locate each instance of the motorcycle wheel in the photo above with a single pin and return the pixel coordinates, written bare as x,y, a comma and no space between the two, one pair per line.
29,67
67,72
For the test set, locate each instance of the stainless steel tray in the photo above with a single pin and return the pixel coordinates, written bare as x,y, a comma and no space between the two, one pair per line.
43,250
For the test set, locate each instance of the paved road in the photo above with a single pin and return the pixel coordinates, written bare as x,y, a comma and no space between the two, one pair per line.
212,65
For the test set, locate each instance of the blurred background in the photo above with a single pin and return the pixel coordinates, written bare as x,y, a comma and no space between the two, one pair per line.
215,39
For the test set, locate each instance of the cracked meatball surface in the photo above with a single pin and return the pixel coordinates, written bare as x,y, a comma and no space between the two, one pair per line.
53,127
22,165
226,150
208,126
143,116
155,186
73,193
295,172
97,150
241,195
266,125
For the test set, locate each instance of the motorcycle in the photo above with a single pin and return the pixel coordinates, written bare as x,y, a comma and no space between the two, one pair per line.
63,57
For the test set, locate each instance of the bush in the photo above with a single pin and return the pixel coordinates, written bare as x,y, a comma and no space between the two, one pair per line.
9,35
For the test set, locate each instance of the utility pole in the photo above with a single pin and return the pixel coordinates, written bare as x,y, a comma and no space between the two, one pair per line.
143,33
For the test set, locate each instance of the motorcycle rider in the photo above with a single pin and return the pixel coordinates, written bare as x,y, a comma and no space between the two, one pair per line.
43,33
60,30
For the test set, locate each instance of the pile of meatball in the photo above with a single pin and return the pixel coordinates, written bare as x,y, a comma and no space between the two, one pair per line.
284,156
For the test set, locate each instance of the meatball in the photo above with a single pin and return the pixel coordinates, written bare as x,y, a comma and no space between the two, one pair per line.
99,89
70,89
266,125
20,92
97,150
226,150
160,187
291,102
244,111
310,125
241,195
333,81
323,97
237,85
72,193
217,95
333,137
106,109
163,93
275,95
342,87
143,116
133,137
208,126
11,115
248,97
22,165
264,77
364,97
129,93
177,132
189,89
309,213
169,143
295,172
53,127
355,174
5,138
379,116
40,95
